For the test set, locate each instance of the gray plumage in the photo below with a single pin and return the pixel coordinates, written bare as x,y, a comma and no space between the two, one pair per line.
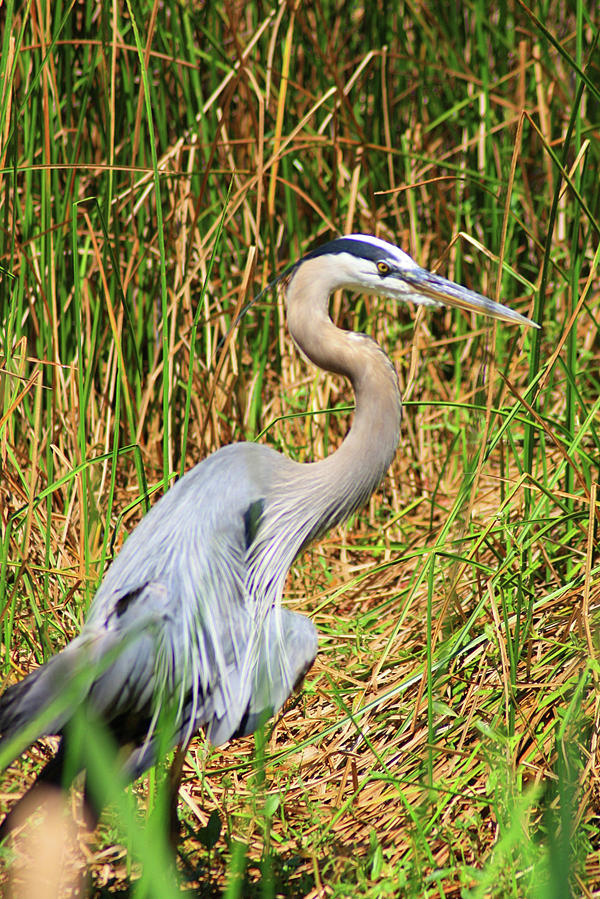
188,617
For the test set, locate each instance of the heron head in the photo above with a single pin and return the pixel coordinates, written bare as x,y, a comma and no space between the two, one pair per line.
369,264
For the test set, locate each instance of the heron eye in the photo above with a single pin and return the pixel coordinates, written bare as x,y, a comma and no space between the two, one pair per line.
383,268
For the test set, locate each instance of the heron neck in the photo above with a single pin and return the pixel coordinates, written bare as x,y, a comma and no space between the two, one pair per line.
345,480
305,500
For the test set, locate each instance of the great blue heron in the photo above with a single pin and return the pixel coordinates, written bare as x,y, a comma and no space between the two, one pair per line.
187,626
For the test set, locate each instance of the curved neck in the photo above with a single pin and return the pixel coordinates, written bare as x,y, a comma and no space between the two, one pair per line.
348,477
305,500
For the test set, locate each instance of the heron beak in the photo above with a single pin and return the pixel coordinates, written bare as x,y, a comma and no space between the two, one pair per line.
434,287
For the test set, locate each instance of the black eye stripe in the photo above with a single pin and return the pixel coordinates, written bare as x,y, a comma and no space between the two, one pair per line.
361,249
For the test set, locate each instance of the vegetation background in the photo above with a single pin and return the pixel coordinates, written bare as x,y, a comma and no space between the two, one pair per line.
159,162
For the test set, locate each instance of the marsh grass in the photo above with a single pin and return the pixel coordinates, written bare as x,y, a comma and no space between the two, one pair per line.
158,164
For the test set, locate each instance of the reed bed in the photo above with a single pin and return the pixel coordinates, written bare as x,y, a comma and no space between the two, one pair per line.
159,163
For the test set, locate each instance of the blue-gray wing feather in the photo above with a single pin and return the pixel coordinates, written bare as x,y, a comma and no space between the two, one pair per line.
177,626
